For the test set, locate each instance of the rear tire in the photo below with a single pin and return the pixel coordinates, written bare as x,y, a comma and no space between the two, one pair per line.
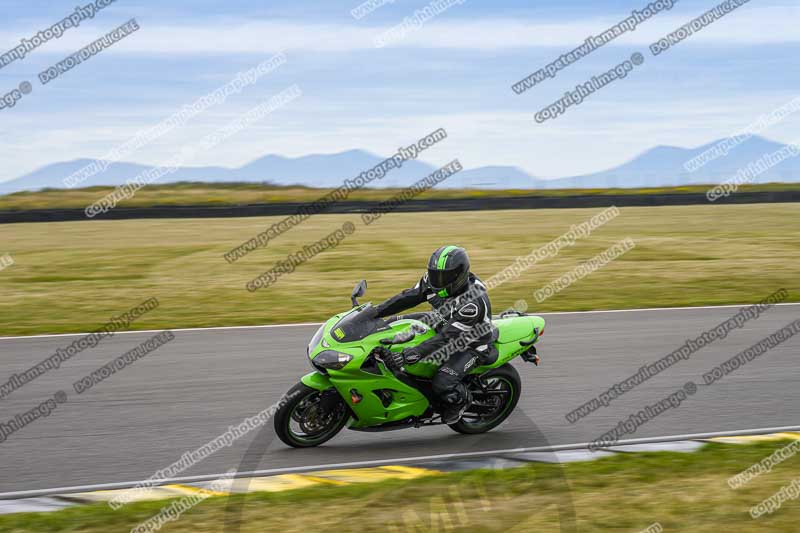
505,389
316,424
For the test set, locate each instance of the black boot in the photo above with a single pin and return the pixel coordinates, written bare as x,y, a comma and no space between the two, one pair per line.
453,407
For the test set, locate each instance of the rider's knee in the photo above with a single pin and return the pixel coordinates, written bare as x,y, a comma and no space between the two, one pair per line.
445,380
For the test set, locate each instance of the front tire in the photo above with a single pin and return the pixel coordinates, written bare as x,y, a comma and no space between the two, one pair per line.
491,407
310,417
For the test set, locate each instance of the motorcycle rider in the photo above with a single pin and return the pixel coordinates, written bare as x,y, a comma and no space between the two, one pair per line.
461,309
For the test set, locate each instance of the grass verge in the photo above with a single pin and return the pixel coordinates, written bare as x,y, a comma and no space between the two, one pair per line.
218,194
680,491
73,276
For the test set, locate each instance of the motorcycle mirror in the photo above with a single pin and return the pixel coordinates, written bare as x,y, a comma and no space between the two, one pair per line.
358,291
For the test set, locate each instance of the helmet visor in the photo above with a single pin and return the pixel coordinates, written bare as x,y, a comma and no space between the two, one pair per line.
439,279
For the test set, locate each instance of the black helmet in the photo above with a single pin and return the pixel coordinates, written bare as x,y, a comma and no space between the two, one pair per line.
448,270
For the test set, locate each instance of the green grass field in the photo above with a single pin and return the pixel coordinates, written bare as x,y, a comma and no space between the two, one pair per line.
72,276
680,491
249,193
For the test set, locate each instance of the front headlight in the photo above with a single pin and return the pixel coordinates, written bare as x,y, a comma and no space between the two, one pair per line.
315,339
332,360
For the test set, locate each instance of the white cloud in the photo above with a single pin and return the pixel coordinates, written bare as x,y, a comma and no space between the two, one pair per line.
750,24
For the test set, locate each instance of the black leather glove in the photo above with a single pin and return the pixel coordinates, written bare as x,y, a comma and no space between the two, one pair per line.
395,360
384,354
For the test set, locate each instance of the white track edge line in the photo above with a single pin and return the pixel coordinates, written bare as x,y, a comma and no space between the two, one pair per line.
388,462
265,326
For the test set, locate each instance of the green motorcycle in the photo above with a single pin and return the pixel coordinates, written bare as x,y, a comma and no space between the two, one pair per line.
351,386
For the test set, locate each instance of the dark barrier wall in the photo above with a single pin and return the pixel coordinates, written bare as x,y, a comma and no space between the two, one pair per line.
460,204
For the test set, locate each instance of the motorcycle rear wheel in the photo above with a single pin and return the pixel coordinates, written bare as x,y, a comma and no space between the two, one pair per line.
491,407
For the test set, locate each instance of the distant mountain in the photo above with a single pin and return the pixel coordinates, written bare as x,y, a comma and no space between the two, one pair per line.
663,166
327,170
493,178
312,170
659,166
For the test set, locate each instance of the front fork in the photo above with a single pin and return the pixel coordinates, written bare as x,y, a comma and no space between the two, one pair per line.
330,396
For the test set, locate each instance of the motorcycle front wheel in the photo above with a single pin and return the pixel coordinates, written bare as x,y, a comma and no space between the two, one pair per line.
310,417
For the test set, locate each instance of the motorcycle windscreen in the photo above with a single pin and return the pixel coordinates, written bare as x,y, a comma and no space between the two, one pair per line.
356,325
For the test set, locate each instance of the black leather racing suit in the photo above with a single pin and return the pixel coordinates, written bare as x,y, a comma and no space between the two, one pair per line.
465,333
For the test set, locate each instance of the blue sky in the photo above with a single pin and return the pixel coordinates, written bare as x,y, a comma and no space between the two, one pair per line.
454,72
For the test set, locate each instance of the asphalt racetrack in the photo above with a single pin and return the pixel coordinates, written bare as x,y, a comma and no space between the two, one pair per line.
190,390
